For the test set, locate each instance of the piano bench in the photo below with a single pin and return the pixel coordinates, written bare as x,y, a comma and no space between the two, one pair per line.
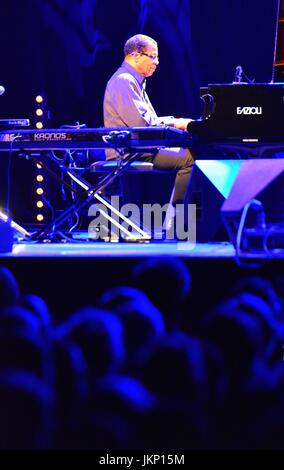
106,166
139,181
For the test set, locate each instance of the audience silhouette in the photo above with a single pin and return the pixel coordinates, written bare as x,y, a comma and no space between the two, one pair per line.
128,373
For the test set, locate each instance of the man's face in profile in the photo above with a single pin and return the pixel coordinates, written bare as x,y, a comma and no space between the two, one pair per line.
148,60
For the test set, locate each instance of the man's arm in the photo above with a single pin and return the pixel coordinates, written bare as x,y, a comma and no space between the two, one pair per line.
181,123
126,99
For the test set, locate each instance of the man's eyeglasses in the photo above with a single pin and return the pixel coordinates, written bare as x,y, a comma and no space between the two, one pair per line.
152,57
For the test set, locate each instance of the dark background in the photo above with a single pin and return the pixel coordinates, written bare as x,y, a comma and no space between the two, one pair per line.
67,50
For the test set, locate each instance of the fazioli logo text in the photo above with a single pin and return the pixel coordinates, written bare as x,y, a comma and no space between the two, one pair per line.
249,110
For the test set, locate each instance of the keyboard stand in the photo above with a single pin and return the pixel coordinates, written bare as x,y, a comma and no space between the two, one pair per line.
116,218
18,228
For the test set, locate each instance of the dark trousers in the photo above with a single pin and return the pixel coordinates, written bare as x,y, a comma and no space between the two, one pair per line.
177,159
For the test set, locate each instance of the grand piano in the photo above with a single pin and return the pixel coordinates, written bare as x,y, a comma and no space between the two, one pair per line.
240,121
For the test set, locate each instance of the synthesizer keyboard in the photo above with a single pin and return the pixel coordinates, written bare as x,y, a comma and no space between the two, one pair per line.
94,138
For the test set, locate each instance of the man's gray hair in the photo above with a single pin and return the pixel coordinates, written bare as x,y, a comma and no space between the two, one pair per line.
139,42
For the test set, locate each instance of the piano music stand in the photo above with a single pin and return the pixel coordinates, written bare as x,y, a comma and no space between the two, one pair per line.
93,192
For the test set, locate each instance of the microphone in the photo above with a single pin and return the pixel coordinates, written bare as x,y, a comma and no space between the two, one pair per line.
2,90
238,74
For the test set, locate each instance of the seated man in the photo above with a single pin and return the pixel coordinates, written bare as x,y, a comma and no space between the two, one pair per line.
126,104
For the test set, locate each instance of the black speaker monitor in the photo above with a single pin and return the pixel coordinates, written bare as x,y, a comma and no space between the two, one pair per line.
259,183
210,184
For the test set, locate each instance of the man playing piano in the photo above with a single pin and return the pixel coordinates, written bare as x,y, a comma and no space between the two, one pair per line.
126,104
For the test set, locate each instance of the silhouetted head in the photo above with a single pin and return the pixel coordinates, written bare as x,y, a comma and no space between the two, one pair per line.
26,412
167,284
9,288
100,336
115,296
143,326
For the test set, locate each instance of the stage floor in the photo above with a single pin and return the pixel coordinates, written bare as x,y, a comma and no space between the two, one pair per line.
97,249
70,275
114,249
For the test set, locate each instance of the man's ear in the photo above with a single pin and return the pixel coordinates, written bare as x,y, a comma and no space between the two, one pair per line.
135,55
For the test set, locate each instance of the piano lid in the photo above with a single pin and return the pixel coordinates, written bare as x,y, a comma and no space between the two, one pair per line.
241,113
